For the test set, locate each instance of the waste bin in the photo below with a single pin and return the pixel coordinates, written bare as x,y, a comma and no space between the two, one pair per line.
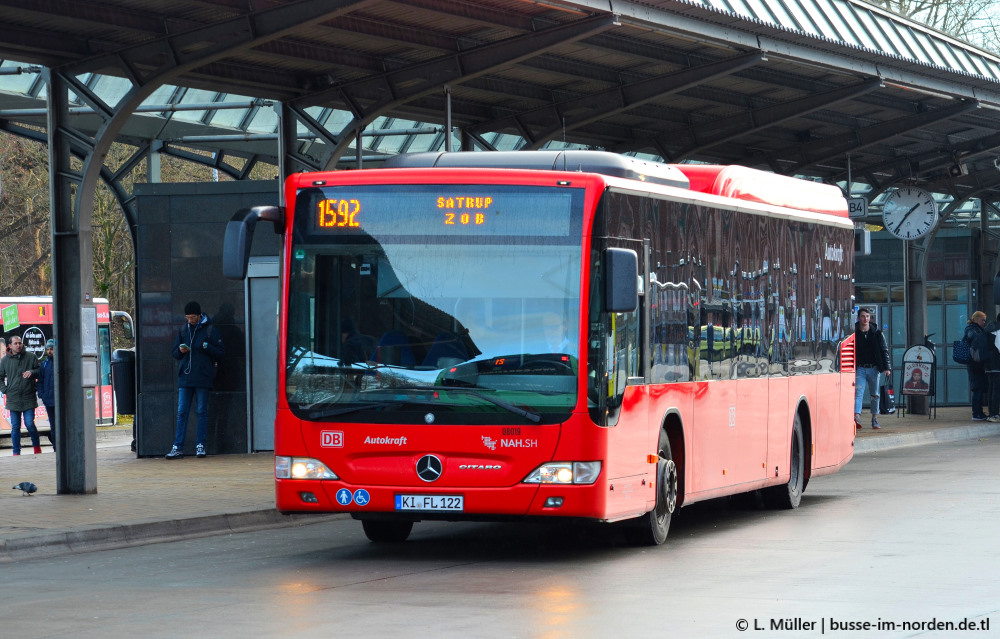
123,379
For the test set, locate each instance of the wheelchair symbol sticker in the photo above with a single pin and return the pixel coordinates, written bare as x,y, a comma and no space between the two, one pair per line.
344,497
361,497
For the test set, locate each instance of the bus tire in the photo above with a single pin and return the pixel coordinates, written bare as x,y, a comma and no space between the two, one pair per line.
386,532
651,529
788,496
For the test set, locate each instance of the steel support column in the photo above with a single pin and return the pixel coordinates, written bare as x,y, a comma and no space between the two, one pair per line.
915,306
72,286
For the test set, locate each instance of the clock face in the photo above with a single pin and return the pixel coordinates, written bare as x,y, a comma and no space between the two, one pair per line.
909,213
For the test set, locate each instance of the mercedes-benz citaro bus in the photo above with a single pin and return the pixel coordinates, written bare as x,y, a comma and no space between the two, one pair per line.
555,334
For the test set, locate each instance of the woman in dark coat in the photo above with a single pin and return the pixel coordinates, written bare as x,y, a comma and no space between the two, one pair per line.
977,372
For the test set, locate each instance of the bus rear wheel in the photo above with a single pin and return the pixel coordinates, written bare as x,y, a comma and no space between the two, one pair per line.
789,495
651,529
386,532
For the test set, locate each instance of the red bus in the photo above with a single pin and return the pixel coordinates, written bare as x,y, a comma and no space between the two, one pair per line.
30,318
576,334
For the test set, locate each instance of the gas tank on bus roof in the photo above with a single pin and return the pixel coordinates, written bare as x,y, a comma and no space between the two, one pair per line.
752,185
581,161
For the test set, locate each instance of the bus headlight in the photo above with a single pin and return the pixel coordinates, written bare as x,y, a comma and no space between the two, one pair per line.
301,468
565,473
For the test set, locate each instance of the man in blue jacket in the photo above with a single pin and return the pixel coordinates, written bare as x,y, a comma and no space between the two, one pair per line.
47,387
198,347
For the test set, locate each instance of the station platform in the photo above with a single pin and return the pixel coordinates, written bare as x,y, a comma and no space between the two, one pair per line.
150,500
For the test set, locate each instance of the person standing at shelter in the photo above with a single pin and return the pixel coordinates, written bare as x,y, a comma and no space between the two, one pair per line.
976,370
992,369
870,361
47,387
198,347
18,372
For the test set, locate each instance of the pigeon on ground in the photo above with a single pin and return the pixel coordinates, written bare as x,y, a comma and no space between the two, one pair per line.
26,488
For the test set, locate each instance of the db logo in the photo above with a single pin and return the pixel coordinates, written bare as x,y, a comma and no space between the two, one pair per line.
332,439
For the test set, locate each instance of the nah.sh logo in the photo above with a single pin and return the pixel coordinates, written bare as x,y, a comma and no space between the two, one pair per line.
332,439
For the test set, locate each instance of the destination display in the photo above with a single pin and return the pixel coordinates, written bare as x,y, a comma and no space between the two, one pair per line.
441,210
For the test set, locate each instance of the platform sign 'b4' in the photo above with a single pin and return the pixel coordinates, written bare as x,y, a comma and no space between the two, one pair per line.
857,208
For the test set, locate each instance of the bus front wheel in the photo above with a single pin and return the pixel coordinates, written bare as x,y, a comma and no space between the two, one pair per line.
789,495
651,529
387,532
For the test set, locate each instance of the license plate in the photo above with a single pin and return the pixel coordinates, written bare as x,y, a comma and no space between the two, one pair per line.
439,503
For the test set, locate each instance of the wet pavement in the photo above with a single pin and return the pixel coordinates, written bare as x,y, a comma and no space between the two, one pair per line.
149,500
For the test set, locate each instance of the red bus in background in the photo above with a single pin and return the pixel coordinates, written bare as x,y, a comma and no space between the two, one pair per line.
33,324
575,334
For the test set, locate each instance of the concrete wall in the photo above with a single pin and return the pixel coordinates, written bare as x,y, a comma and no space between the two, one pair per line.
179,259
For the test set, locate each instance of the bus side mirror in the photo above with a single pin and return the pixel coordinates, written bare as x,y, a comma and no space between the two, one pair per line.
128,326
621,284
239,235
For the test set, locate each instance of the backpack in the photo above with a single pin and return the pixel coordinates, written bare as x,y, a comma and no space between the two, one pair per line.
981,348
960,352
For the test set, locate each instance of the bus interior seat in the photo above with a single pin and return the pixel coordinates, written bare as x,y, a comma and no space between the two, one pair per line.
394,349
446,350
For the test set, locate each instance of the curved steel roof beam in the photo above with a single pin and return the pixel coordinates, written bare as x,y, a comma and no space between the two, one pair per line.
386,91
825,149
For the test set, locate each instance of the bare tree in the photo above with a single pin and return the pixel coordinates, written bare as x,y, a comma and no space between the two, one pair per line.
24,214
25,239
974,21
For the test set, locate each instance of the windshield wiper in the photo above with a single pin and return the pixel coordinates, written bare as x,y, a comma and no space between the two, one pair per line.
517,410
350,409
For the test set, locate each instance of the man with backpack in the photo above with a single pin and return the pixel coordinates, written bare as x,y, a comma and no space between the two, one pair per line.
974,332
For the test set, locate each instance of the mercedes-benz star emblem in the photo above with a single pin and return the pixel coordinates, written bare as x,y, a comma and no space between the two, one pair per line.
429,468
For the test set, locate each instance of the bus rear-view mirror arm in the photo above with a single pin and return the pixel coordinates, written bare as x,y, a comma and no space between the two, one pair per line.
621,293
239,235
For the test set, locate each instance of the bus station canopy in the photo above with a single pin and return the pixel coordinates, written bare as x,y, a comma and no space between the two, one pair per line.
821,88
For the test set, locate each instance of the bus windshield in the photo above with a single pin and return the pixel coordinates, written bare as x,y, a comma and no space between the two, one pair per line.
446,304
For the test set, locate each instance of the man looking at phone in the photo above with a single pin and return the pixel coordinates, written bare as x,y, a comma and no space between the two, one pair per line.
198,347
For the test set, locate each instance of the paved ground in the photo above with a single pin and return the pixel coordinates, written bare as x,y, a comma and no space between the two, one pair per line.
149,500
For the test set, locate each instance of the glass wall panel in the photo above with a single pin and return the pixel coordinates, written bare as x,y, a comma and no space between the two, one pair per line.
934,328
897,332
871,293
958,386
956,292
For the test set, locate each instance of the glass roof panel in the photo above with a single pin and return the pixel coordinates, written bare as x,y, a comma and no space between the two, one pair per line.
965,60
861,34
740,7
232,118
801,18
781,14
264,121
820,18
762,11
906,34
195,96
336,120
110,89
424,142
883,41
831,10
950,57
161,95
930,49
505,141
